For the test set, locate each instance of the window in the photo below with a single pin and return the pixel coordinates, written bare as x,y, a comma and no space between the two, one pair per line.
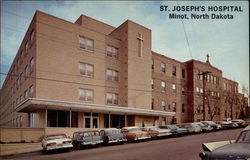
201,91
183,91
183,73
21,98
86,44
152,104
152,64
26,72
86,95
86,69
21,56
32,91
17,62
174,106
112,52
32,37
112,75
152,83
26,94
163,67
26,47
32,63
183,108
17,83
163,105
197,91
21,78
174,88
57,118
174,71
112,98
208,78
163,86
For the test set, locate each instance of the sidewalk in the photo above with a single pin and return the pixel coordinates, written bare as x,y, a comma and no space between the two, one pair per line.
19,148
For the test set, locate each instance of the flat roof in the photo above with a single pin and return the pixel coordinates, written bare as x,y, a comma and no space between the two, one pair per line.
33,104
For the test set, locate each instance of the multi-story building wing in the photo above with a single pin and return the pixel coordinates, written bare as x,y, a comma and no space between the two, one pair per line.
89,74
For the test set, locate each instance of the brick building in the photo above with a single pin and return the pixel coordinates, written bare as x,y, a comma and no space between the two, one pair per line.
89,74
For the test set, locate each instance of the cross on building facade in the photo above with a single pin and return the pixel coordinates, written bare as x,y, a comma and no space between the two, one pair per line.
140,38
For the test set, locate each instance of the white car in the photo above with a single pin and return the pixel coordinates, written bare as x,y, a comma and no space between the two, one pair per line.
56,141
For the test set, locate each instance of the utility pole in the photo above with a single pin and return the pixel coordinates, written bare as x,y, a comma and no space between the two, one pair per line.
204,78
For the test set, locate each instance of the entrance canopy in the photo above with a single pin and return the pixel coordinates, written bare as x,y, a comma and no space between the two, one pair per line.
33,104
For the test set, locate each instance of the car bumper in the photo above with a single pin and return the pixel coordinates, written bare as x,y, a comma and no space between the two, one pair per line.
92,143
117,140
58,147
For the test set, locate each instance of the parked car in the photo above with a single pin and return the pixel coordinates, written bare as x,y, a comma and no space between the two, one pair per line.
88,137
191,127
239,122
204,127
56,141
135,133
155,131
238,150
112,135
175,130
212,124
227,124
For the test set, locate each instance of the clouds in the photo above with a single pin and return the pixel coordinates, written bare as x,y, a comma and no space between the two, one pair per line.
225,40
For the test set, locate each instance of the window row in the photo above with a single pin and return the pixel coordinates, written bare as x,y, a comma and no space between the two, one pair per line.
29,93
23,76
230,88
209,78
174,69
199,92
23,52
87,95
164,88
88,45
88,71
166,107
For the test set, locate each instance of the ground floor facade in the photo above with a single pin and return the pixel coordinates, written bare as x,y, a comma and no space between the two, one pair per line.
41,113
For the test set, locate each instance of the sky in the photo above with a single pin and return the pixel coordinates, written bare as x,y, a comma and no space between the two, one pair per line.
225,40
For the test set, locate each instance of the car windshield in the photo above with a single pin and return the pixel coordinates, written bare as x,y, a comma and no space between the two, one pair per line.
200,124
244,137
89,134
114,131
56,137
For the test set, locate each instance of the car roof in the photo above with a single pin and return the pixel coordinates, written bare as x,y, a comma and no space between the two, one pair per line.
107,129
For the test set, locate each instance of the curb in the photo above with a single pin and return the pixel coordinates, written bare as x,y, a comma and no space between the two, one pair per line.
14,152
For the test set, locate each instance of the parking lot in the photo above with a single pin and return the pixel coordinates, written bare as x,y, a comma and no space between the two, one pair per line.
173,148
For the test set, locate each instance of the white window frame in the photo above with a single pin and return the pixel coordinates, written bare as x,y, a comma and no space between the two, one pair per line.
85,70
85,94
86,44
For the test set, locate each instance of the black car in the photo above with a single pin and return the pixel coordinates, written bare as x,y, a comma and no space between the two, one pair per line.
112,135
240,150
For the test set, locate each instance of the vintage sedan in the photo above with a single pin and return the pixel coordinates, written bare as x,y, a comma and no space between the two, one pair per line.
175,130
135,133
56,141
191,127
212,124
87,137
204,127
155,132
112,135
238,150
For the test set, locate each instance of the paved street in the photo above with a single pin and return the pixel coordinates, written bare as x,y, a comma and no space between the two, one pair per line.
180,148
